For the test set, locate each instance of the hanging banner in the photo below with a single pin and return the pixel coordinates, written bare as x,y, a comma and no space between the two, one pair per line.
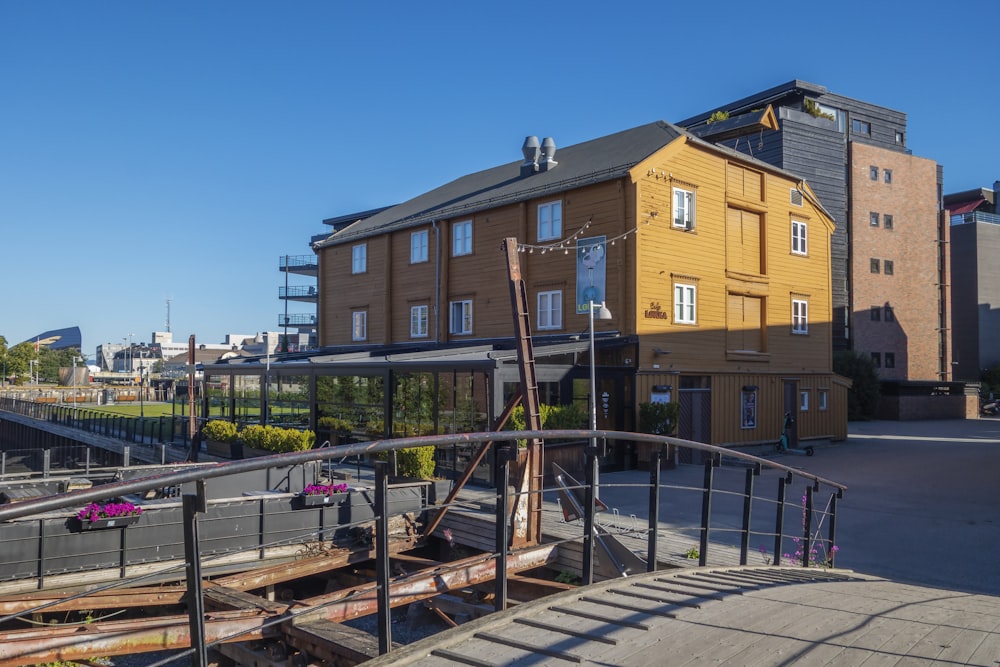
591,272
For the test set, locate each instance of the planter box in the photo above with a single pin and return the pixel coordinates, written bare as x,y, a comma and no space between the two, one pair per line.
115,522
218,448
238,451
302,501
251,452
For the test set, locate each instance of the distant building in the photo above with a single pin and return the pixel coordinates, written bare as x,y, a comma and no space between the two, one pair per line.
975,279
58,339
299,329
890,263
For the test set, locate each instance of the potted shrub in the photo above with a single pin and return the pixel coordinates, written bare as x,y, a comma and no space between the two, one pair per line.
108,515
262,440
417,463
219,435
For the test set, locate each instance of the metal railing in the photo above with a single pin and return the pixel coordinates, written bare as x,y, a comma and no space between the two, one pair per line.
727,478
975,216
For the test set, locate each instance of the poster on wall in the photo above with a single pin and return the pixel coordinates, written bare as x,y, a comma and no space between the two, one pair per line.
660,393
748,408
591,272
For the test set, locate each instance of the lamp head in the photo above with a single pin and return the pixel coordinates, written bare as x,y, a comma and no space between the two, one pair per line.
602,312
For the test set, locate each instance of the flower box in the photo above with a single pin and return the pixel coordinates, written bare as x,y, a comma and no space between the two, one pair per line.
321,495
110,515
106,522
335,500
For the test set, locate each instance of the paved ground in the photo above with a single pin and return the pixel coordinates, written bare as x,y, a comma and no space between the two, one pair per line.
922,505
727,616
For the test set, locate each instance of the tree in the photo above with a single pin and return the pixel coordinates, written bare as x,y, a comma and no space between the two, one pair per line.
17,361
862,397
4,362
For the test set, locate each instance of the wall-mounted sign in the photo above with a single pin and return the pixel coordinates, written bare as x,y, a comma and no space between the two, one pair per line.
655,312
660,393
748,408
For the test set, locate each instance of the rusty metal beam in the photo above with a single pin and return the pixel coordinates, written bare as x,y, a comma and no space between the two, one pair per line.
164,596
40,645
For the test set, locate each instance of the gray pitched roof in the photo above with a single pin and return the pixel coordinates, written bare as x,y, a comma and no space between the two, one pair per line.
594,161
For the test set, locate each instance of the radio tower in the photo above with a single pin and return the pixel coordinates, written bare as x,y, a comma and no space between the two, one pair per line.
168,315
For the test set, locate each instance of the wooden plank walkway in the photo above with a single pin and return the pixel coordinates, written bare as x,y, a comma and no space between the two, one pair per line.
746,616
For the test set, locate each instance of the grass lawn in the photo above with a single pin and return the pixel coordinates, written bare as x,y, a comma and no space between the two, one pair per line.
149,409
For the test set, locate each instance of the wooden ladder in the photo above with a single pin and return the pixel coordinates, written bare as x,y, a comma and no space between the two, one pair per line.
529,503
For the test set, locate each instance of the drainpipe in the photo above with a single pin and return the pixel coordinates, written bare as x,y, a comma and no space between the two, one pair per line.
437,281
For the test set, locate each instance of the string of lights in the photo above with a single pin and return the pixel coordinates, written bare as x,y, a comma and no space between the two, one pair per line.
566,243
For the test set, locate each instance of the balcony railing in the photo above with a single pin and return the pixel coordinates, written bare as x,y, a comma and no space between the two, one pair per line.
306,265
296,320
307,293
976,216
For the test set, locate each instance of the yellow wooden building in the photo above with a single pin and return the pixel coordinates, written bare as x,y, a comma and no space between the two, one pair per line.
715,267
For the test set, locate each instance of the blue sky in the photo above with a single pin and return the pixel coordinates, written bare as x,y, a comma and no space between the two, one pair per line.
155,151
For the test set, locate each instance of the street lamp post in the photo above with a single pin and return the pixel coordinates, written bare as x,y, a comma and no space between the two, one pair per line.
593,466
602,314
32,377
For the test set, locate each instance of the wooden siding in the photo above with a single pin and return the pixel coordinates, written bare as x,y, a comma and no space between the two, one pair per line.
701,257
342,292
727,390
596,210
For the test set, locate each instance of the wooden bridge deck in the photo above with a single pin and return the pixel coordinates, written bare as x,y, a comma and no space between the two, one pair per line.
746,616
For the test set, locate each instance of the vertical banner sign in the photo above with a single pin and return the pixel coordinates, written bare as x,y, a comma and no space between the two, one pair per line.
591,272
748,409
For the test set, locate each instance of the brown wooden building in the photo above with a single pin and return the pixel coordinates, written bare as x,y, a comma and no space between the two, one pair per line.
716,268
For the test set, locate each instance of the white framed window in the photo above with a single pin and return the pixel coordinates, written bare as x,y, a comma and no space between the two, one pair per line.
418,321
549,221
804,400
550,310
461,317
822,398
684,303
359,258
683,209
461,237
359,325
800,316
418,247
799,246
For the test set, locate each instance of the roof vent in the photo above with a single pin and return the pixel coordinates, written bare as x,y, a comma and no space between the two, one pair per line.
548,153
530,150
